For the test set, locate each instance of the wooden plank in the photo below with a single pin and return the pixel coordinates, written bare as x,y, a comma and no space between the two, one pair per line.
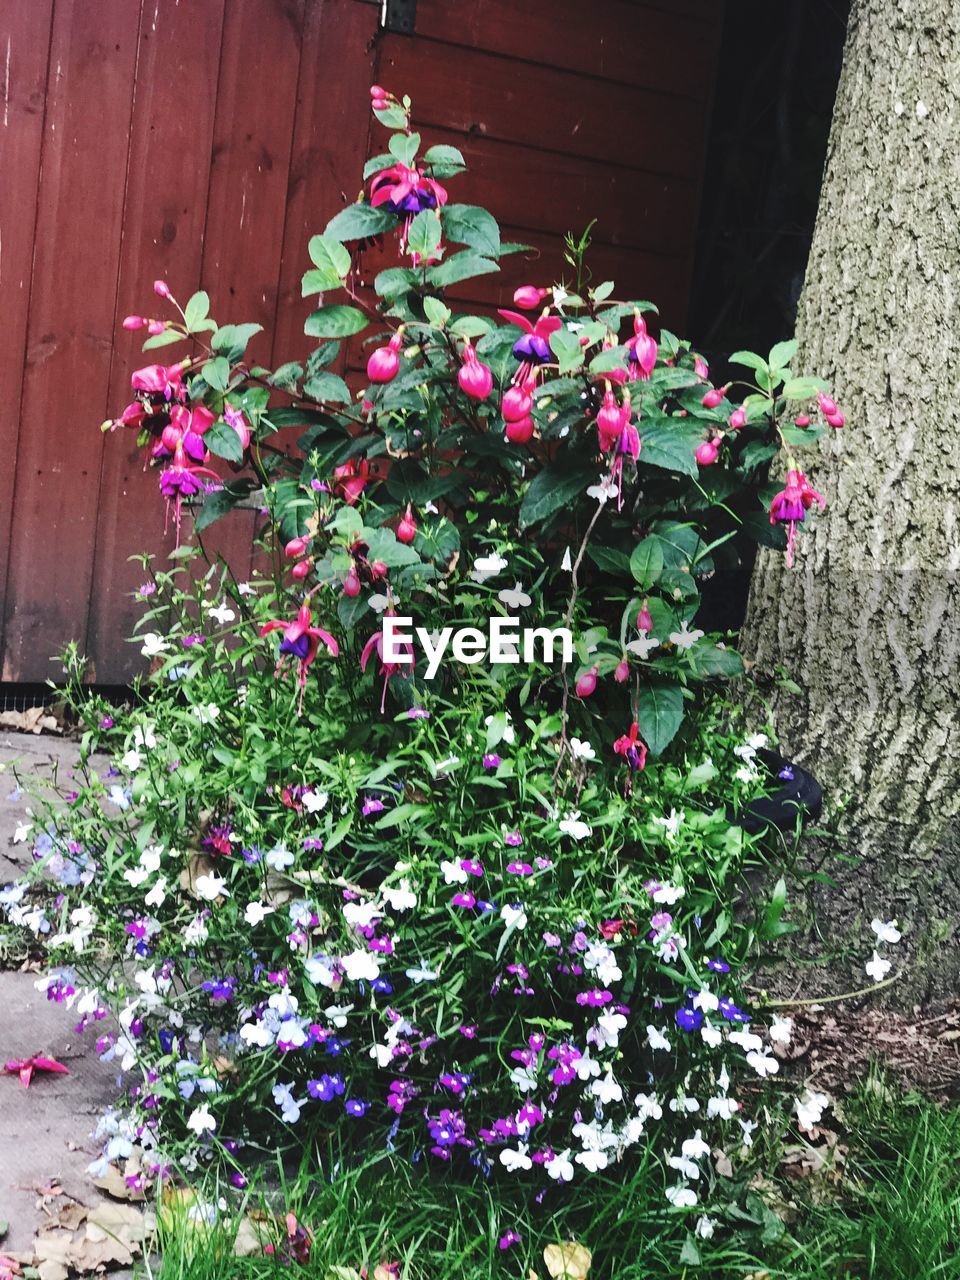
497,97
608,39
24,52
329,147
173,114
70,329
253,137
544,191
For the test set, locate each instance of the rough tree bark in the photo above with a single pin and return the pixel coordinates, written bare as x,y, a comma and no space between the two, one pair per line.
867,623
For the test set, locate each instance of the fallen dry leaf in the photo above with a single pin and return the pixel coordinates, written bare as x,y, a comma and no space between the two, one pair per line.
33,720
569,1261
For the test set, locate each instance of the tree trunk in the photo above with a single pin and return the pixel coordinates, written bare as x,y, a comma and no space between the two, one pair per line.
867,622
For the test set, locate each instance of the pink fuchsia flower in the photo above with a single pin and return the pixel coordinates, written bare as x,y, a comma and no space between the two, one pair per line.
632,748
528,296
830,411
159,380
406,192
474,378
192,424
700,367
517,402
387,669
300,644
407,528
611,419
351,479
713,397
790,507
643,349
384,363
738,419
644,620
25,1067
181,480
706,453
235,419
587,683
533,349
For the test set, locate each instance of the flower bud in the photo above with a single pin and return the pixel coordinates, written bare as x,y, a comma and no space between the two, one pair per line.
517,403
836,419
712,398
644,621
520,432
622,673
407,528
609,421
134,322
301,569
738,419
700,367
528,296
351,584
377,92
706,454
826,404
162,289
587,683
156,326
295,548
378,570
171,437
801,420
475,379
384,363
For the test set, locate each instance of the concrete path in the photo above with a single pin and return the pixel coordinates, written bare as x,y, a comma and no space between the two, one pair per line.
45,1130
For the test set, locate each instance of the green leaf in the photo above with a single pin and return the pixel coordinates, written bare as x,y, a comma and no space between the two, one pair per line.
222,440
442,157
163,339
602,291
801,388
358,221
394,282
670,443
404,147
566,347
436,312
335,321
800,435
471,326
197,309
460,266
611,358
287,376
550,489
216,373
781,354
710,660
609,559
329,387
215,505
425,234
322,357
496,729
232,340
749,360
659,714
392,116
469,224
376,163
348,523
772,925
646,562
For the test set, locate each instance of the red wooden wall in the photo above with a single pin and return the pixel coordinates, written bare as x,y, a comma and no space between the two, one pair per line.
204,141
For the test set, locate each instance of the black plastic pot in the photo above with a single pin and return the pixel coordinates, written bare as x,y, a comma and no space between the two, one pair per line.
800,794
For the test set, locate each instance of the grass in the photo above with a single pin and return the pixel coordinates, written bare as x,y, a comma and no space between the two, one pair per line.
889,1211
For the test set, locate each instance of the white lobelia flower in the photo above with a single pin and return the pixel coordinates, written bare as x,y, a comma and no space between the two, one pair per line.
513,915
643,646
706,1001
154,644
810,1108
143,736
763,1064
337,1014
671,824
246,588
681,1197
314,801
360,914
378,602
705,1227
211,886
487,567
222,613
157,895
606,1090
711,1035
605,1033
684,638
361,966
722,1108
581,750
657,1040
666,894
23,830
206,714
525,1078
515,1160
687,1168
509,735
196,931
320,971
560,1168
201,1121
514,598
566,564
605,489
592,1161
574,828
886,931
748,1127
780,1030
648,1106
399,898
279,859
131,760
256,912
748,1041
586,1066
877,968
453,873
684,1104
695,1148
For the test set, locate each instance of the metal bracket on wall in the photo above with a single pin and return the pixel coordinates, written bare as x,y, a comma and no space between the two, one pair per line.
399,16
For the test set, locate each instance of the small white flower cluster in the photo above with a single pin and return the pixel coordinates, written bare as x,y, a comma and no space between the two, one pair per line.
877,967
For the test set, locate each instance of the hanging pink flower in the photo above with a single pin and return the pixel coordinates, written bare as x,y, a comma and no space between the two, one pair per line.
159,380
643,349
300,644
351,479
474,378
632,748
387,669
182,480
533,349
384,363
790,507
